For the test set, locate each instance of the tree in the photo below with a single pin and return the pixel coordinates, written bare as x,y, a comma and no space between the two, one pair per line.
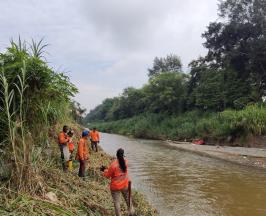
171,63
77,112
216,89
209,92
130,103
166,93
100,112
238,41
197,67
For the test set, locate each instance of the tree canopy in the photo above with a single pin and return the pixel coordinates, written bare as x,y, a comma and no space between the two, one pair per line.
171,63
231,75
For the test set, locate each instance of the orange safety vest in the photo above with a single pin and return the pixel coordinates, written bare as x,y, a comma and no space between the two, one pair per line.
95,136
119,179
71,146
83,150
63,138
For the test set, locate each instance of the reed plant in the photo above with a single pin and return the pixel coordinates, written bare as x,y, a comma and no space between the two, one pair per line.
33,99
11,126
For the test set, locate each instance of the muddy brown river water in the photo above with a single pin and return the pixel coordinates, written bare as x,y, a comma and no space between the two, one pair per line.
185,184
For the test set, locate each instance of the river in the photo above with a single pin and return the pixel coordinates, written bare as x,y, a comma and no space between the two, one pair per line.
186,184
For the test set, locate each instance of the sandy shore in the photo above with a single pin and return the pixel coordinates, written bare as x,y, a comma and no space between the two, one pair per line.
254,157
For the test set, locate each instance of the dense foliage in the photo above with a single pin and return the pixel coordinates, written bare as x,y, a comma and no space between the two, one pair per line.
229,127
33,98
171,63
231,75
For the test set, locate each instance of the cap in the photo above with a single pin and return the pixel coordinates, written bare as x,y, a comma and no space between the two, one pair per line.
85,133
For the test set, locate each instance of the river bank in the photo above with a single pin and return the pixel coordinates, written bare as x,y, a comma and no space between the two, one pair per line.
239,154
255,157
60,193
226,140
243,128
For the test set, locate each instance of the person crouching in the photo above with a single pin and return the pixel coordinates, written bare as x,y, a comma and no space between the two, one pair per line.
119,182
83,153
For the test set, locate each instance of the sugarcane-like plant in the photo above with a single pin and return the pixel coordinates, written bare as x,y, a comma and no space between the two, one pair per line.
7,99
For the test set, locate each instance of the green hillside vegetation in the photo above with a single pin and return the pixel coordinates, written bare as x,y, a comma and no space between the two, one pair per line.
222,95
35,103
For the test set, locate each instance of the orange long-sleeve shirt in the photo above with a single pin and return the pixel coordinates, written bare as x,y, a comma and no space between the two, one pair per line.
83,150
119,179
63,138
95,136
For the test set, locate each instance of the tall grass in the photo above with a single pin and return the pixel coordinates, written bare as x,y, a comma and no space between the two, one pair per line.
33,99
8,96
15,121
24,165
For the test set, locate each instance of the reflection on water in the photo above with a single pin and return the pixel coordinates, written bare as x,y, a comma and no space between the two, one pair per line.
181,183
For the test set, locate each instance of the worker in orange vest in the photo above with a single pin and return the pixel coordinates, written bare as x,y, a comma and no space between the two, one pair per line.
83,152
63,140
71,148
95,139
118,172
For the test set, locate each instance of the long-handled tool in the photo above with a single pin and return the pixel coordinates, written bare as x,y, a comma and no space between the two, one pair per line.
129,195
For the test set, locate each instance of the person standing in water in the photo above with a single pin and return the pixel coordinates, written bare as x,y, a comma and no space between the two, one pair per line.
95,139
118,173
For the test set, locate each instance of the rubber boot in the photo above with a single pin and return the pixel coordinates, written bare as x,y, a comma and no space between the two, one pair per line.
70,165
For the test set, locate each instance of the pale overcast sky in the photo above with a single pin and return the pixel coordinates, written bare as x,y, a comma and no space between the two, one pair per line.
107,45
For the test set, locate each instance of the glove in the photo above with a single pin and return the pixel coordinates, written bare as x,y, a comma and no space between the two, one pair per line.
102,168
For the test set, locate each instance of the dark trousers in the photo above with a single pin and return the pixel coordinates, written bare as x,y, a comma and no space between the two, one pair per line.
94,145
62,157
82,168
71,156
